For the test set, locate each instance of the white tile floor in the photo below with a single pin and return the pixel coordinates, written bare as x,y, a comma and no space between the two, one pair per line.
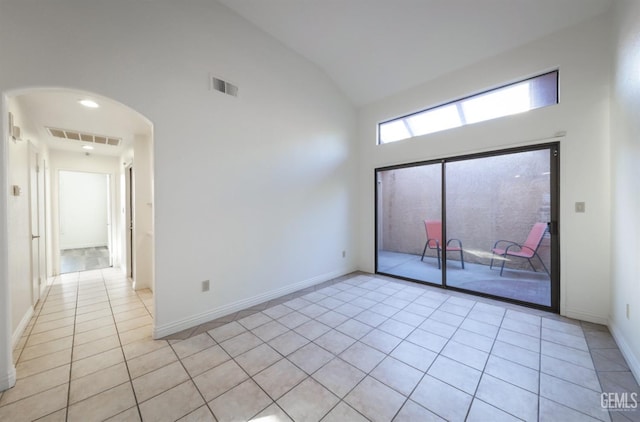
353,349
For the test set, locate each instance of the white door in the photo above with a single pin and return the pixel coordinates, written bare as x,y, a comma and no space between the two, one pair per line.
109,227
34,207
129,192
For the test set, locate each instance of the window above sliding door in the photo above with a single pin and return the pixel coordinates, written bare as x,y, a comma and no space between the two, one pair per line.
539,91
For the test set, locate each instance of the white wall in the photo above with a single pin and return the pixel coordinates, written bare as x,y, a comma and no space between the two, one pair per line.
7,370
83,202
625,192
80,162
255,193
19,230
581,55
16,293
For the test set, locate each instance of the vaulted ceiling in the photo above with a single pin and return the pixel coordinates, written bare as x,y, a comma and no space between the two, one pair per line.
375,48
370,48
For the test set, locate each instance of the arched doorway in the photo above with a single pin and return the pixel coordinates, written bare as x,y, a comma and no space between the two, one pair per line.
53,130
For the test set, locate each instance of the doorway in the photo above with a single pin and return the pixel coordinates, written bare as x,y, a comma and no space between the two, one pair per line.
484,224
85,221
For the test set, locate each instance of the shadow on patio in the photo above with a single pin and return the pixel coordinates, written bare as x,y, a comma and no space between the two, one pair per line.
526,286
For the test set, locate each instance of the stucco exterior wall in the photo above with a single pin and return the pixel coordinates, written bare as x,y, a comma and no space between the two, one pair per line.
499,197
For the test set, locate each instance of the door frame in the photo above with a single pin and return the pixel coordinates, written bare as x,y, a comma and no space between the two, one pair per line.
129,208
109,191
554,229
35,219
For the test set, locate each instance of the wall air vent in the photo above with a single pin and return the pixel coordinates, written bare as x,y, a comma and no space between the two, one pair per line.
224,86
74,135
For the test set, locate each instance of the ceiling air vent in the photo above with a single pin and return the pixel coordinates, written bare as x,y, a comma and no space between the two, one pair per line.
75,135
224,86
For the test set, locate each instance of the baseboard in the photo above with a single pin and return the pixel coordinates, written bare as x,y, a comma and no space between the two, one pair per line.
8,380
586,316
632,359
174,327
20,329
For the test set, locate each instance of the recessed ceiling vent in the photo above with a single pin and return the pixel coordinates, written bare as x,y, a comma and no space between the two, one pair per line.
74,135
224,86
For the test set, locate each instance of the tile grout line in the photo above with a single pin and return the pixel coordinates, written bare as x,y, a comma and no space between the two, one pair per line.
494,339
367,374
106,292
39,306
124,357
484,368
358,341
424,374
371,328
540,370
191,378
286,358
335,356
73,338
596,371
426,371
233,358
33,321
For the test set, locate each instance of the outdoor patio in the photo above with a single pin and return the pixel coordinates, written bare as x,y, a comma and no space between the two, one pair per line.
526,286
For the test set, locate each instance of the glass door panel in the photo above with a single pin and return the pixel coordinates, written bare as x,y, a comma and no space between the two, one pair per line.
406,198
499,207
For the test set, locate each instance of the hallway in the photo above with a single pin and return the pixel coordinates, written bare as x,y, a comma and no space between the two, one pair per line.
80,329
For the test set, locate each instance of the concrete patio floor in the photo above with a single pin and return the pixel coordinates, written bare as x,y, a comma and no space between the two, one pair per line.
526,286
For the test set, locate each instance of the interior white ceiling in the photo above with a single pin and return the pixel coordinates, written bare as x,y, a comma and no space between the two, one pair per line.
376,48
60,109
370,48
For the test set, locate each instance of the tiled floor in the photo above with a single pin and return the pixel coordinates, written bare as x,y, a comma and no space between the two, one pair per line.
353,349
83,259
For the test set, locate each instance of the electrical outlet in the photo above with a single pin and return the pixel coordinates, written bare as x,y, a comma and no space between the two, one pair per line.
344,254
205,286
628,311
580,207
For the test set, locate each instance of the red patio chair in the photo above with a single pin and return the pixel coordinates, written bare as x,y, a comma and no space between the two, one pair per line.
527,250
433,228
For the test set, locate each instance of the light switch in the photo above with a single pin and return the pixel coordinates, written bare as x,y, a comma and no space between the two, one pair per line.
16,190
580,207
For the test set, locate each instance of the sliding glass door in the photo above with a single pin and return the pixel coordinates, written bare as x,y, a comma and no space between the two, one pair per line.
494,236
407,197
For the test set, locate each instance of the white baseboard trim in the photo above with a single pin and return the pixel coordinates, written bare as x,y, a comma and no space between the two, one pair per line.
8,380
174,327
20,329
586,316
632,359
